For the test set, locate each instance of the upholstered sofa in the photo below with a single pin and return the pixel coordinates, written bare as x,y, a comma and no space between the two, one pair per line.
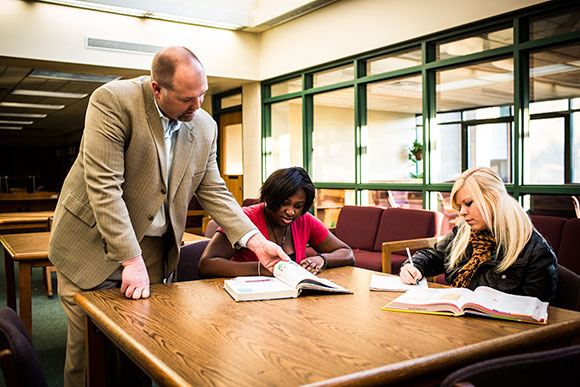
365,229
564,237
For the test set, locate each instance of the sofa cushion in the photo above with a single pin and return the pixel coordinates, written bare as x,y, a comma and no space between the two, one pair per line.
551,229
569,252
357,226
405,223
367,259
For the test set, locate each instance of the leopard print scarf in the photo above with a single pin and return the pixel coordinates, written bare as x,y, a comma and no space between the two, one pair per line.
483,244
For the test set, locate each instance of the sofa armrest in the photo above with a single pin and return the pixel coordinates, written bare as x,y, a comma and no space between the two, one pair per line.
412,244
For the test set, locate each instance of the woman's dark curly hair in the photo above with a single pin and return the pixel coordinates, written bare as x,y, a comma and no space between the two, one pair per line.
284,183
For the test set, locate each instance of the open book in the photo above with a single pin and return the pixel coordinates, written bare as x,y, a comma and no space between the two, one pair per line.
393,283
483,301
289,280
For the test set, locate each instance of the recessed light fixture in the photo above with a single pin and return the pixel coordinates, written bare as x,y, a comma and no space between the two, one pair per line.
71,76
10,127
16,122
41,93
31,105
24,115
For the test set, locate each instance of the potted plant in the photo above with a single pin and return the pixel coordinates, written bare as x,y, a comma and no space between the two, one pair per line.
416,151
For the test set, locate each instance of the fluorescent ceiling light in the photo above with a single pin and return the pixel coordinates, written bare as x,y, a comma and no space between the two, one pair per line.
31,105
10,127
71,76
41,93
147,14
23,115
16,122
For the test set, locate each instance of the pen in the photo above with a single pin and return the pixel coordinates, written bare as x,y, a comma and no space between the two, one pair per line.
411,260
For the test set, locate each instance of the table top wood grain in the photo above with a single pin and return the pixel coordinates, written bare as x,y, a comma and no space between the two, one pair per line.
193,333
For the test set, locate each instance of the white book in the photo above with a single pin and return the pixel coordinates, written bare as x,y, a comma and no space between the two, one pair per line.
392,283
288,282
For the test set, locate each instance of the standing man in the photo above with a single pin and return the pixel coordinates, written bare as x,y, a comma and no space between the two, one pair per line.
147,148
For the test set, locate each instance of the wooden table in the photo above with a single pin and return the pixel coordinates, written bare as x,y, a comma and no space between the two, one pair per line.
28,250
193,333
11,222
31,250
189,238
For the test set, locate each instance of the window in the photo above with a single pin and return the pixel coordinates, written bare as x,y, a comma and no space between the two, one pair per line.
286,87
483,93
393,62
333,136
559,23
392,108
328,203
336,75
476,43
284,145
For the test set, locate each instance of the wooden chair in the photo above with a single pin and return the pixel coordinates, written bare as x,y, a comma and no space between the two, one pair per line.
397,246
19,362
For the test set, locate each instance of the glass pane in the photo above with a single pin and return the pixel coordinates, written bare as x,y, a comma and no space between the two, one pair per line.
477,43
489,145
333,136
445,152
556,24
550,205
555,74
329,202
396,61
544,152
286,87
554,88
549,106
233,150
284,147
576,147
405,199
441,201
483,91
329,77
232,100
391,130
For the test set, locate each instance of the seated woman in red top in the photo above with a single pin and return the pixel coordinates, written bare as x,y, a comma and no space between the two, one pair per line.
282,217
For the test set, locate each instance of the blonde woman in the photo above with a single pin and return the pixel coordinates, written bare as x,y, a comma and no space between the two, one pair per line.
493,245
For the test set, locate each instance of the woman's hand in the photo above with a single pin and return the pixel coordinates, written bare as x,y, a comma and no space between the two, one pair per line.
313,264
410,274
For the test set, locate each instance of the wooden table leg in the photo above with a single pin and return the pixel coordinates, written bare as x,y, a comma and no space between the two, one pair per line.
9,280
95,354
25,294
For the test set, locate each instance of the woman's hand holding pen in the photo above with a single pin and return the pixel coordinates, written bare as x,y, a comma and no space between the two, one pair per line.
410,274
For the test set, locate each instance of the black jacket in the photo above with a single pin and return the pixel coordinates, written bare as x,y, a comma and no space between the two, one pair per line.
534,273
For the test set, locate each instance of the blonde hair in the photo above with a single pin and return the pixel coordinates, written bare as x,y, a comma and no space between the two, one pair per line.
504,217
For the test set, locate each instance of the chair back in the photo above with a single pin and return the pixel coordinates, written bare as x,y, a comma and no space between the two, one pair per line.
567,290
20,364
550,227
569,252
557,367
406,223
211,228
357,226
188,261
250,202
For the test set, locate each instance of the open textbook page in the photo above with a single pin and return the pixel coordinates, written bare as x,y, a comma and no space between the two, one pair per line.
288,282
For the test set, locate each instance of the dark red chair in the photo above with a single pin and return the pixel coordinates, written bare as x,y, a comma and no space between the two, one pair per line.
188,261
550,227
558,367
569,251
398,224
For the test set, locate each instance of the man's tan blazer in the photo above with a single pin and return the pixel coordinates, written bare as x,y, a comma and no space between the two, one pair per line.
118,183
